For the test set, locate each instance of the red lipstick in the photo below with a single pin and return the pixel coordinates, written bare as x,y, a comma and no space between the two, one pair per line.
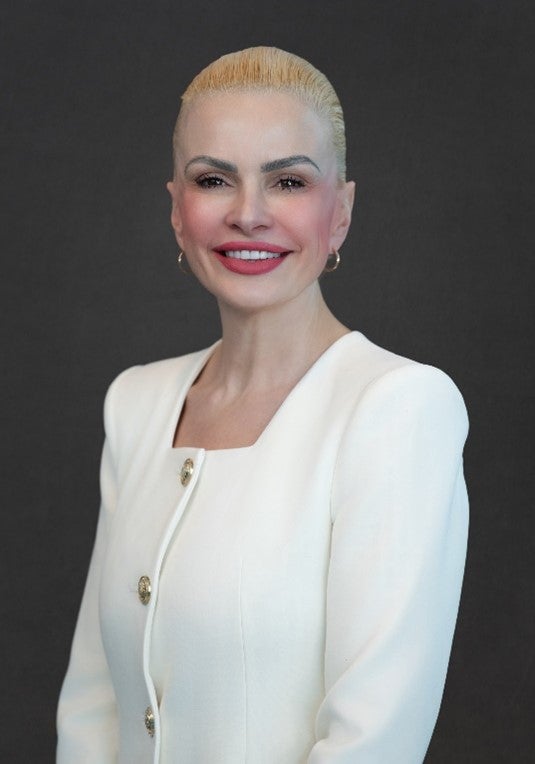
250,266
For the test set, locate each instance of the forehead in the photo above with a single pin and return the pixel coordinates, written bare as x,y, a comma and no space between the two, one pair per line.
267,123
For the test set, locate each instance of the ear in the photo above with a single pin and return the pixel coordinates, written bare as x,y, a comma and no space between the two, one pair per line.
342,217
176,220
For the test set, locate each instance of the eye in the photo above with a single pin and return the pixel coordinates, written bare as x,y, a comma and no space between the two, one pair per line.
210,181
290,183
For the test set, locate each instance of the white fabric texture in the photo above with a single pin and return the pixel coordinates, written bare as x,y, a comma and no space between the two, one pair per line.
304,589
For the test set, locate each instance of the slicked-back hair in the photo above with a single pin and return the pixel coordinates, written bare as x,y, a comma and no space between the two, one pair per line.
266,69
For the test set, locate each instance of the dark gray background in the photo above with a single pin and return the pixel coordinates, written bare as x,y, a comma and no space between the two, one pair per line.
438,101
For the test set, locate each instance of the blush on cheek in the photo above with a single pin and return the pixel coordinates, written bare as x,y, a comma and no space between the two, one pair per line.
196,223
310,221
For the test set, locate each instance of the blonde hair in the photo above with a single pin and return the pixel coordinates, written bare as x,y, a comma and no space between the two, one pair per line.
264,68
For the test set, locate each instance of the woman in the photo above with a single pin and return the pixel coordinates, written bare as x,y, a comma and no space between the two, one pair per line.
282,535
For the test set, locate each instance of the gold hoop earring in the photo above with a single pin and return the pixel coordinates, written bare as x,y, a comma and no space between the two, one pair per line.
332,266
179,261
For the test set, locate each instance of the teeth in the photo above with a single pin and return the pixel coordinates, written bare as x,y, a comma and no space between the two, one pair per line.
251,254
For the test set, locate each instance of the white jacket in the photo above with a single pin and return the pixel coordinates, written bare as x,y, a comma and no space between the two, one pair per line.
303,590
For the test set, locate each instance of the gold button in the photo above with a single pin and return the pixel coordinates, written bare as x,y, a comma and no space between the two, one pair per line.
144,589
149,721
186,472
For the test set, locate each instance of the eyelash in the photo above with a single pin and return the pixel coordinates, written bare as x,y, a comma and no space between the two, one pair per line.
288,183
209,181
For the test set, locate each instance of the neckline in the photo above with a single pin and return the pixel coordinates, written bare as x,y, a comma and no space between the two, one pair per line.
204,357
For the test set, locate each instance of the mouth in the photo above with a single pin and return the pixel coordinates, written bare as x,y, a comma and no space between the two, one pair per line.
251,254
251,258
251,250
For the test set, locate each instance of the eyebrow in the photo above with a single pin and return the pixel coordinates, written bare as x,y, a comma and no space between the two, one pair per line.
219,164
276,164
280,164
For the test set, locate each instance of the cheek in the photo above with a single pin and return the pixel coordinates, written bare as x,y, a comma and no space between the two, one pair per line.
310,219
197,217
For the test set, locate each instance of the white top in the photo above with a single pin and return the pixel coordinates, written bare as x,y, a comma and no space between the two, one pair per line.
304,590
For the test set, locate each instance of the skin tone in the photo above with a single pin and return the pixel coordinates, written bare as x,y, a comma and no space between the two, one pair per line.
256,167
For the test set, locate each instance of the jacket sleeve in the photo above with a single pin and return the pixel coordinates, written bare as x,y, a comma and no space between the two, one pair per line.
400,518
87,716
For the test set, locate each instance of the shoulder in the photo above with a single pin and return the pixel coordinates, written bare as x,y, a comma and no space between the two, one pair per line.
391,395
369,374
139,390
406,427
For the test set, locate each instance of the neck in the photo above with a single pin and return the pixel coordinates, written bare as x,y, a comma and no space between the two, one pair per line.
273,347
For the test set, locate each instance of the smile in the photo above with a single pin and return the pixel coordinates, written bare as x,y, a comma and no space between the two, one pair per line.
250,258
258,259
251,254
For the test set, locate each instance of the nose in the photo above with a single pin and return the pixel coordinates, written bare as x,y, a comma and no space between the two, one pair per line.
249,210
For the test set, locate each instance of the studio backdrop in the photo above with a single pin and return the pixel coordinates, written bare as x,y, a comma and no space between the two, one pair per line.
438,267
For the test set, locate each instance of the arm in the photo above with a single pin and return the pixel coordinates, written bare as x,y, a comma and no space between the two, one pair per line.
87,718
398,546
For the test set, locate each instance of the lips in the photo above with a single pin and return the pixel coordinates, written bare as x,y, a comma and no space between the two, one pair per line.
251,258
251,254
250,250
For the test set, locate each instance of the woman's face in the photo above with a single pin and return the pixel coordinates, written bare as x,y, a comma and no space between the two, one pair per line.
257,204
